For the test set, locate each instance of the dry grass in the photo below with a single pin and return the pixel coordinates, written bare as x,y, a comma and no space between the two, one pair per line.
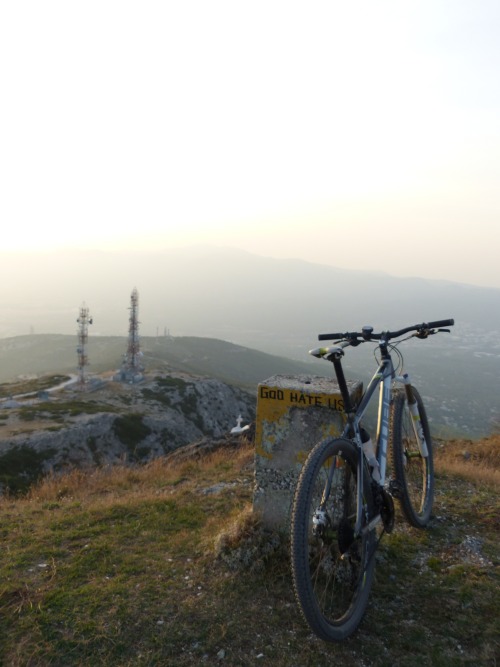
140,480
165,564
472,460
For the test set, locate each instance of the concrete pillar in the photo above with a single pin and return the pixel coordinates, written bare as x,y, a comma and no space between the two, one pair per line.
294,412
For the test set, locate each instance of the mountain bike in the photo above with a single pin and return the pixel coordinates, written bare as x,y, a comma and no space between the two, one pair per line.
343,502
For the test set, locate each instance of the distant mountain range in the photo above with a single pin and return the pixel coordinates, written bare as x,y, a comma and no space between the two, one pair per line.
275,306
228,294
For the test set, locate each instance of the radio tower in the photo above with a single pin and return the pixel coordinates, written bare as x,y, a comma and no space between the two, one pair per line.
83,320
132,367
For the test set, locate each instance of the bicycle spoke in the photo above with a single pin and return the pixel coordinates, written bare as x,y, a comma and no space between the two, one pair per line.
332,568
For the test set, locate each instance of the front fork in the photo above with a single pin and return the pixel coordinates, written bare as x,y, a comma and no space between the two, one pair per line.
415,415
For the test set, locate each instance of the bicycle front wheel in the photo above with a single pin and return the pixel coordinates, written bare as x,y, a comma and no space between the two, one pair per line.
414,472
332,567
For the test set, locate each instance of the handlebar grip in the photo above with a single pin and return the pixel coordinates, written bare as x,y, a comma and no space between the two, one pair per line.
441,323
331,336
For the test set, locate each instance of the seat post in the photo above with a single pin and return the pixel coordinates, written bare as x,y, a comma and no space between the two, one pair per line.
339,373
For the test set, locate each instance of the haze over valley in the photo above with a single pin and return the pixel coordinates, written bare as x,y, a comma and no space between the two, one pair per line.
274,306
267,303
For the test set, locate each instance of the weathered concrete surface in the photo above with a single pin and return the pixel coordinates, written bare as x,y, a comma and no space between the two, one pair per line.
294,412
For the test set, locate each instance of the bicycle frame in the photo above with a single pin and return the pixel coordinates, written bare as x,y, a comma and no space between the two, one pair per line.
383,379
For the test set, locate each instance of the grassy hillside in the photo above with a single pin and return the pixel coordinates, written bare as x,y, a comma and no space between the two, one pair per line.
165,565
225,361
234,364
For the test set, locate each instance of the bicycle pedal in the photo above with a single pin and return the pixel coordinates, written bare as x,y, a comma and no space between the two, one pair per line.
395,488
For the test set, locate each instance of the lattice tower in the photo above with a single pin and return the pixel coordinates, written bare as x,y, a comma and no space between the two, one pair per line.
83,321
133,348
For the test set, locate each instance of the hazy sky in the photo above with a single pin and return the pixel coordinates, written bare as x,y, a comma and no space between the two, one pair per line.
362,134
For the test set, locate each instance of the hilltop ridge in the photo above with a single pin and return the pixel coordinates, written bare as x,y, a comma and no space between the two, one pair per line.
39,354
456,376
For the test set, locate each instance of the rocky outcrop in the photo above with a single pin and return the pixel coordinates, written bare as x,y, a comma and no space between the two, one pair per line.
136,423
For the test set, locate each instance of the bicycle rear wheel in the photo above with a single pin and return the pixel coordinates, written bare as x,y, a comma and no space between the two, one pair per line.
413,472
332,567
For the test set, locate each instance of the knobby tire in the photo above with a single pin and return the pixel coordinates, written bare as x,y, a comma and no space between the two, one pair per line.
332,569
414,473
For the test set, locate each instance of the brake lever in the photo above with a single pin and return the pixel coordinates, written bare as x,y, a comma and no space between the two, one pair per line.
424,333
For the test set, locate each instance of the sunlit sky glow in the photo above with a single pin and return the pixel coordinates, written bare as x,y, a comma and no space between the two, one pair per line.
362,134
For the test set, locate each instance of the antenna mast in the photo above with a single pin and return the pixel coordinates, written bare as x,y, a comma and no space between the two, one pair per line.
132,367
83,320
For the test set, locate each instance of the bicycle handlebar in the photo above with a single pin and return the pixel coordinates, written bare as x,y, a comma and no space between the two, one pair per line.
367,333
